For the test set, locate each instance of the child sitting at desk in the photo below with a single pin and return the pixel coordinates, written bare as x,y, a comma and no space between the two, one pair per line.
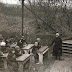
38,40
22,43
3,48
34,51
18,51
11,59
19,43
1,53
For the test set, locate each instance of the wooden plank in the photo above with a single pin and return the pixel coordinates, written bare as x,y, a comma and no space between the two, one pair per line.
23,57
28,46
4,56
42,49
65,51
70,46
68,41
45,50
22,60
66,48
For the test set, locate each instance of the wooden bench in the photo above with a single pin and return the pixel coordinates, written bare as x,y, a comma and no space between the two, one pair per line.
41,52
28,48
4,58
22,60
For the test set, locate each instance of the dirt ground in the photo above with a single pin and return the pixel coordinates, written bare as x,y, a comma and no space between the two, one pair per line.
61,66
50,65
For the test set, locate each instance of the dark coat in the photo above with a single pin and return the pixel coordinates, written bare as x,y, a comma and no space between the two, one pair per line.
57,49
35,48
34,51
18,53
20,44
23,41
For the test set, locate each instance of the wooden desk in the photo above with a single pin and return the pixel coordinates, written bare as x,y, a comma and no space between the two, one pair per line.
28,48
42,51
22,60
4,58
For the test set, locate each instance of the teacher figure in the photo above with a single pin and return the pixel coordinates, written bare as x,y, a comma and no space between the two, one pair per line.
57,49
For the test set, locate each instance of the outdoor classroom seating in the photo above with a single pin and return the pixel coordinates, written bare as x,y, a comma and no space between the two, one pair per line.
28,48
4,58
41,52
22,60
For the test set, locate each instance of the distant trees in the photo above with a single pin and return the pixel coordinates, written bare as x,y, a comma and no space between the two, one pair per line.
39,17
55,18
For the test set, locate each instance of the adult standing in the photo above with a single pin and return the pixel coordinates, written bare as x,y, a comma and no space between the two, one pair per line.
57,49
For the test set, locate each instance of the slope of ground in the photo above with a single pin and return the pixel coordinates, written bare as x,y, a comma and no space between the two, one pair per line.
61,66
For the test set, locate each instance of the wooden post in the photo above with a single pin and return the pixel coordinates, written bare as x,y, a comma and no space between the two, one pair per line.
22,15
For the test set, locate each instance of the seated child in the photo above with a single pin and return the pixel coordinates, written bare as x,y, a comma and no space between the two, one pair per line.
1,53
1,60
11,60
34,51
18,51
3,48
19,43
24,41
38,40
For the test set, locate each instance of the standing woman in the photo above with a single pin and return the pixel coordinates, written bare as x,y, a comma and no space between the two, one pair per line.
57,49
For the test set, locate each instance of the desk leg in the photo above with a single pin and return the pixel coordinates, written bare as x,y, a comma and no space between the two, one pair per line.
30,51
5,63
21,68
48,54
32,59
40,58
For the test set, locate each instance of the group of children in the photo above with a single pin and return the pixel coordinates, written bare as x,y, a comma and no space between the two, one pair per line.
15,51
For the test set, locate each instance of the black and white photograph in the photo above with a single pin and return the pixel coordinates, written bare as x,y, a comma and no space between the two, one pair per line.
35,35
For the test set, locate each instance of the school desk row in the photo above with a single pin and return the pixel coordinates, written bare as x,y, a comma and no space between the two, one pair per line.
27,57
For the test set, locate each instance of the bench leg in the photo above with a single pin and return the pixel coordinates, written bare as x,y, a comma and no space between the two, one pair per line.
5,63
32,59
40,58
30,51
21,68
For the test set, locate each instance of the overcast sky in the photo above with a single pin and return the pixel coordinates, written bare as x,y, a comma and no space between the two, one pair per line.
11,1
16,1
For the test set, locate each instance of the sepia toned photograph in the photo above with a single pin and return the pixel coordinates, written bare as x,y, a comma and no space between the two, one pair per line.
35,35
